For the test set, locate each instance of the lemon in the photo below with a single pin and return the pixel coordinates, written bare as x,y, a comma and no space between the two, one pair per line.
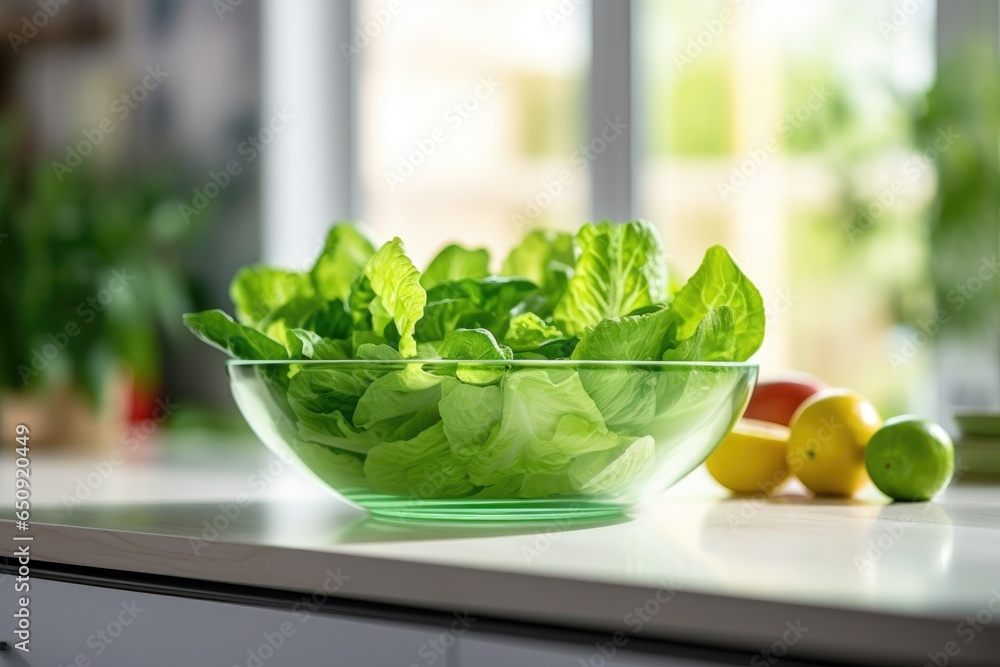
752,458
826,448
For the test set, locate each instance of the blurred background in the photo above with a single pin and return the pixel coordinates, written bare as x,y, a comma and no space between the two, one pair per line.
846,151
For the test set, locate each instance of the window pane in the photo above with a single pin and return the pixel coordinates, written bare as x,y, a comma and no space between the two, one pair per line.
771,127
467,116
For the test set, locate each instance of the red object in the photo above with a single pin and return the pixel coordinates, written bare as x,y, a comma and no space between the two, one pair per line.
143,402
776,400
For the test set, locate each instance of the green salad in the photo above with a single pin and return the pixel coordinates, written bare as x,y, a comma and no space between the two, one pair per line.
485,426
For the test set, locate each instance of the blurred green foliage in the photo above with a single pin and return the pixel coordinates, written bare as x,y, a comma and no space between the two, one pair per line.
699,107
88,273
550,122
964,223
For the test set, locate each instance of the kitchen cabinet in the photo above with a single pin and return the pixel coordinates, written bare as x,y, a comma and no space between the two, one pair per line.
83,626
694,579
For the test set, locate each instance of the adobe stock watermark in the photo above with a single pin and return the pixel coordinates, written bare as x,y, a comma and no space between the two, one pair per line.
957,299
454,117
364,32
634,621
104,637
436,648
750,506
272,642
779,648
88,309
756,158
551,189
711,30
911,172
258,482
130,441
544,540
121,107
246,152
828,428
899,16
31,25
967,630
878,547
223,7
556,16
775,308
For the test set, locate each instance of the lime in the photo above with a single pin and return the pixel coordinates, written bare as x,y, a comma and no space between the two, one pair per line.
910,458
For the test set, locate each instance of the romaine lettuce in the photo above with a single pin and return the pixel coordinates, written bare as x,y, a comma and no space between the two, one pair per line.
484,423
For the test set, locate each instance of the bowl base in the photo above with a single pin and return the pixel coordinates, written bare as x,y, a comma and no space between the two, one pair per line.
484,509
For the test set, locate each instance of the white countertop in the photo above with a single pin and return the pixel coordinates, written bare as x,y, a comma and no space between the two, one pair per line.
886,581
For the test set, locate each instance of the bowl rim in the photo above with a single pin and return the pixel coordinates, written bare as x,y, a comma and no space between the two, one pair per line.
654,363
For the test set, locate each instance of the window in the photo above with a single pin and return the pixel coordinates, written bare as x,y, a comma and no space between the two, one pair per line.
469,131
786,131
768,125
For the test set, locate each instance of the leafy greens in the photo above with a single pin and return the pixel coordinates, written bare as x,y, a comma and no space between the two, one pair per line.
477,421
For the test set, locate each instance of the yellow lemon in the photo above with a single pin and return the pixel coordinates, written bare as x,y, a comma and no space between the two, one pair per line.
751,459
830,431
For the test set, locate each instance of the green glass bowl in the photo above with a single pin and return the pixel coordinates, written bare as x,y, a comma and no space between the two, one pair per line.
504,440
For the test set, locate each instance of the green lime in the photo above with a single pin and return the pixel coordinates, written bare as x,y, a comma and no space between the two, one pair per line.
910,458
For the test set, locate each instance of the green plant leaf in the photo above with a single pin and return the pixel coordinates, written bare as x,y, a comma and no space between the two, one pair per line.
455,263
237,340
422,466
469,413
475,344
344,255
533,405
311,345
720,282
258,290
611,470
528,332
713,340
399,393
487,303
398,297
619,268
545,258
641,337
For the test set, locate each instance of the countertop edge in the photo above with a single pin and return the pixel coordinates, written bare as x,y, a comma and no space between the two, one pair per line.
671,614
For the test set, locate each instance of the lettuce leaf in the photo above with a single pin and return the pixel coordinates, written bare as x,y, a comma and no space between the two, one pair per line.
258,290
310,345
422,466
237,340
469,415
475,344
487,303
545,258
344,255
455,263
619,268
528,332
399,393
460,427
396,295
612,470
713,340
533,405
720,282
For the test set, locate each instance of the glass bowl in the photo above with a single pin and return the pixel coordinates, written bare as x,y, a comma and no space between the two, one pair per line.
503,440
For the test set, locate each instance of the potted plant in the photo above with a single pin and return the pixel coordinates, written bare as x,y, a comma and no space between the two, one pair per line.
88,283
